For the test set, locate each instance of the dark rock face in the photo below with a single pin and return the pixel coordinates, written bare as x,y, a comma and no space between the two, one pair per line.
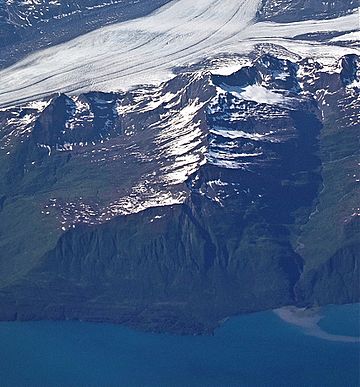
9,33
65,123
270,71
174,265
171,208
335,277
285,11
335,281
349,69
244,77
278,73
49,127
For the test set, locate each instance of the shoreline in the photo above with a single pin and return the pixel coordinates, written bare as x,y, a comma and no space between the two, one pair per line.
307,320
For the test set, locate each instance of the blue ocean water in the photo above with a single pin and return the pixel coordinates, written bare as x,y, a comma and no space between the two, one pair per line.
346,322
253,350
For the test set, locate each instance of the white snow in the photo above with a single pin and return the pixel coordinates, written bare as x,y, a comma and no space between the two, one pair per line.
228,66
37,105
146,50
234,134
180,140
355,83
351,36
258,94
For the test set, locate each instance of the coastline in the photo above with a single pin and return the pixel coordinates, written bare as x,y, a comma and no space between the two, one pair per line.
308,320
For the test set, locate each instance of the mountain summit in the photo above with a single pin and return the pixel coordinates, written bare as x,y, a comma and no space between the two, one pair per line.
229,188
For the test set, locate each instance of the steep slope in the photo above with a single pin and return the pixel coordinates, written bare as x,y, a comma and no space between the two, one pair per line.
172,207
285,11
334,275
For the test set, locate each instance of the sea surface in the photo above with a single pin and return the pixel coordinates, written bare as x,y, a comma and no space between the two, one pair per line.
259,349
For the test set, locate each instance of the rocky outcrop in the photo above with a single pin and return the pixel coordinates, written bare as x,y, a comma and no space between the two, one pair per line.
66,122
164,260
285,11
9,33
171,208
335,282
350,69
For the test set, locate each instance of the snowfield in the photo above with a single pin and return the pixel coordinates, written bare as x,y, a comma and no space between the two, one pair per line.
147,50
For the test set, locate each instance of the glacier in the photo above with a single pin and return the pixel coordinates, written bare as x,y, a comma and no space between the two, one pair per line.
148,49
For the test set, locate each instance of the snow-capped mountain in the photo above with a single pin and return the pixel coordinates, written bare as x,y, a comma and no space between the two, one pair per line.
171,206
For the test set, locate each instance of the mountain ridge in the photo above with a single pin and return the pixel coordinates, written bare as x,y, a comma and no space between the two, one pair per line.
172,207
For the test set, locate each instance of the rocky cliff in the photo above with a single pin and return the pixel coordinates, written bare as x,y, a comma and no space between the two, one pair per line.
173,207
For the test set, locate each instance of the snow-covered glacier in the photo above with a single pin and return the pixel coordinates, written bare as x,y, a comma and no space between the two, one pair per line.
148,49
